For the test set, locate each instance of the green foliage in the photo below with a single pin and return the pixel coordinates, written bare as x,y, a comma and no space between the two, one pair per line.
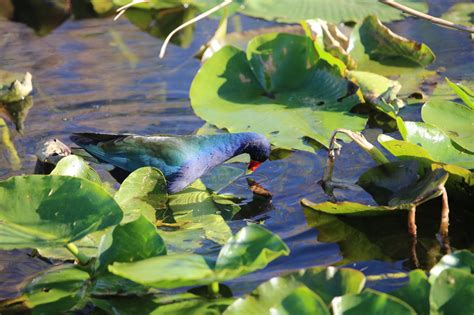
394,185
255,92
142,193
75,166
38,211
252,248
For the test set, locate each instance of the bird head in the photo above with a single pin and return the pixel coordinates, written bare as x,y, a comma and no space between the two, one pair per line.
259,150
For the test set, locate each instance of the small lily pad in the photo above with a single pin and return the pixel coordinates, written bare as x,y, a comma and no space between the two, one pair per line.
75,166
142,193
132,241
17,90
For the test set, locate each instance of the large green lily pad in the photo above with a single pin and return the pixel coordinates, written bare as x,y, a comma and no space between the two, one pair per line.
452,292
44,211
252,248
334,11
278,90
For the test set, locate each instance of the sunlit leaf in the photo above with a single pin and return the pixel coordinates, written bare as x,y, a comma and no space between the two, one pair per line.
254,92
132,241
370,302
452,292
75,166
39,211
416,292
142,193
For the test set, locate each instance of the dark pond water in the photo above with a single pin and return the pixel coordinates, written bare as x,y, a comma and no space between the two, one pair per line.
105,76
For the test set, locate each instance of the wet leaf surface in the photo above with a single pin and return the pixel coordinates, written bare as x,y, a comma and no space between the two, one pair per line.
242,93
37,211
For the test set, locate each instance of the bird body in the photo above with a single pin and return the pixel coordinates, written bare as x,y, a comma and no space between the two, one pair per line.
182,159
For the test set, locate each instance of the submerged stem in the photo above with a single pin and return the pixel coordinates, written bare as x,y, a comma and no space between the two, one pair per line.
81,257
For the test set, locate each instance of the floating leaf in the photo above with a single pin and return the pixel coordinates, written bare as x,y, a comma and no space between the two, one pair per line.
464,92
132,241
370,302
455,120
257,246
462,260
57,290
336,11
452,292
425,142
416,292
255,93
142,193
381,44
41,211
394,185
191,232
75,166
379,91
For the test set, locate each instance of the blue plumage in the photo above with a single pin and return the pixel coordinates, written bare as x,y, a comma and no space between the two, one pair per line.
182,159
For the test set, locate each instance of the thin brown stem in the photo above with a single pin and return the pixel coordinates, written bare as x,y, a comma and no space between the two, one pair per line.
428,17
412,230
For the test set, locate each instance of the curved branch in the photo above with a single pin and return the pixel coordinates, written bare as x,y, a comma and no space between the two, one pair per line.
428,17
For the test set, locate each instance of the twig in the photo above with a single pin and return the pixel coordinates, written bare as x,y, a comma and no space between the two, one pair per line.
428,17
192,21
120,11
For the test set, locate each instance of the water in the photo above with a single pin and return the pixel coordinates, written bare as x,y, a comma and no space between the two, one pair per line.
105,76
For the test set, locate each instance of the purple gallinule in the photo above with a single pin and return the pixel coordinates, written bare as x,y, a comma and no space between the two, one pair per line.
182,159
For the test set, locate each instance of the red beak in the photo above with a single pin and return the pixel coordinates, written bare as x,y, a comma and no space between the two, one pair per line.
253,165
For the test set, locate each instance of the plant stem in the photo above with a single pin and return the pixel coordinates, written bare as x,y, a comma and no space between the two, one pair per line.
413,233
428,17
81,257
214,289
334,147
443,227
192,21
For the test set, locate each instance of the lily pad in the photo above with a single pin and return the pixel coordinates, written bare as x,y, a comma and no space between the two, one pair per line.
289,11
284,292
191,233
379,91
57,290
132,241
254,92
299,300
464,92
425,141
455,120
462,260
142,193
416,292
370,302
41,211
394,185
257,246
382,45
75,166
452,292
